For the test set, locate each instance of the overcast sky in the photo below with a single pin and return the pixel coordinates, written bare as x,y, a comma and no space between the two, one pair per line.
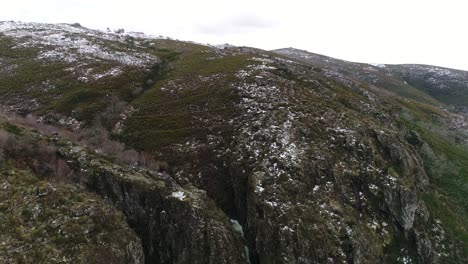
373,31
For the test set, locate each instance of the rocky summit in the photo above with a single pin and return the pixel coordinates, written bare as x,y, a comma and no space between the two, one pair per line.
120,147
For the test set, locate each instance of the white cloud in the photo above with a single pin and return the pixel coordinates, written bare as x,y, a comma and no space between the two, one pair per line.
417,31
240,23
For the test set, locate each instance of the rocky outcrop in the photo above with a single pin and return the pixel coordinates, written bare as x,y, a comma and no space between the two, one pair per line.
176,225
58,223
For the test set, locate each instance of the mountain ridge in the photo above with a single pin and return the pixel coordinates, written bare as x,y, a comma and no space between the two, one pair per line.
293,49
459,76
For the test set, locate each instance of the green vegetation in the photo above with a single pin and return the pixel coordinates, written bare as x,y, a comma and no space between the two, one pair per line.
204,63
167,54
453,177
446,85
447,166
407,91
167,114
57,86
11,128
47,223
421,111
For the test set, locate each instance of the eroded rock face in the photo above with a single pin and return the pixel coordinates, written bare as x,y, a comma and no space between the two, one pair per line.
403,204
176,225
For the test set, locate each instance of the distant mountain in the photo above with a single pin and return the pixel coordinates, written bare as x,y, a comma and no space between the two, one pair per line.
224,155
449,86
446,85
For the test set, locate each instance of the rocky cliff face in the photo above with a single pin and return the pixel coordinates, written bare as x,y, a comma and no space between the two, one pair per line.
271,158
176,224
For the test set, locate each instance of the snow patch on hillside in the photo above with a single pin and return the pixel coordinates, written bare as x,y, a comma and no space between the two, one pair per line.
69,43
270,118
180,195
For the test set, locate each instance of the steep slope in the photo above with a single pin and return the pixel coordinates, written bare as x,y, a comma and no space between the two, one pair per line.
442,126
446,85
284,160
175,224
45,222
